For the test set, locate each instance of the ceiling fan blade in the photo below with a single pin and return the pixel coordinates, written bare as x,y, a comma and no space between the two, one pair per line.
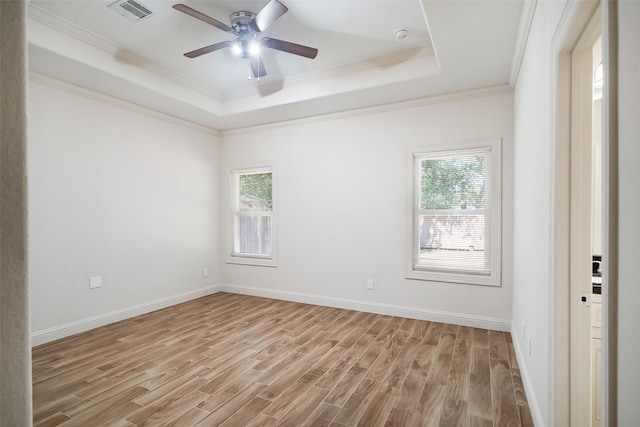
294,48
201,16
257,66
207,49
268,15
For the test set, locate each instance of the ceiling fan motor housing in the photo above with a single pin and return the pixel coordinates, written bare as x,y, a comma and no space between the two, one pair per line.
245,35
240,20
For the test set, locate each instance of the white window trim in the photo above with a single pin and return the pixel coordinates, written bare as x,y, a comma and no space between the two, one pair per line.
495,175
249,259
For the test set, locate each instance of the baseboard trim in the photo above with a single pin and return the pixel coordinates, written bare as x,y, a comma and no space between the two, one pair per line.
72,328
373,307
526,380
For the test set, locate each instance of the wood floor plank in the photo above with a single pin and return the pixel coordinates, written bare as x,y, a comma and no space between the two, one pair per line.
291,396
480,338
387,357
262,420
292,374
247,413
480,384
420,328
475,421
411,390
299,414
378,410
189,418
55,405
429,409
343,390
433,333
357,403
232,405
439,370
236,360
55,419
458,381
503,398
336,372
228,391
105,411
218,381
521,398
322,416
167,411
371,354
328,360
497,346
398,371
454,412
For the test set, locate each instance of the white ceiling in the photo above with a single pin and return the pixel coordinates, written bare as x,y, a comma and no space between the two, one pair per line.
452,45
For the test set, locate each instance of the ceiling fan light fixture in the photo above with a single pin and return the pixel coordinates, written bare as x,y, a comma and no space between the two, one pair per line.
236,48
254,48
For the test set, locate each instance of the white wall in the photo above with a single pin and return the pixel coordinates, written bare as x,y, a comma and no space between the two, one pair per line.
120,194
531,206
341,192
629,196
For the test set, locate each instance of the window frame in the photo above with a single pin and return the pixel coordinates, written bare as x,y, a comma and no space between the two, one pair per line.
494,176
233,257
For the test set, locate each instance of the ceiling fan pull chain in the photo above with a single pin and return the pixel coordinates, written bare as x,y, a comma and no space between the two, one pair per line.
259,58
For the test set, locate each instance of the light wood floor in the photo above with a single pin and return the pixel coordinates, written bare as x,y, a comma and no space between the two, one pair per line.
235,360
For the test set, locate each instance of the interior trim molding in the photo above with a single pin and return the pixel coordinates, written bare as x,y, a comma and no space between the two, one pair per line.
373,307
44,17
526,381
401,105
68,329
524,27
116,102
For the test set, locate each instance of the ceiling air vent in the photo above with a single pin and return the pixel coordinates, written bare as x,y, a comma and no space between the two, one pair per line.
130,9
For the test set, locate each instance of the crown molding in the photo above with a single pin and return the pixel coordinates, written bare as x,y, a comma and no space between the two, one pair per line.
116,102
44,17
524,27
402,105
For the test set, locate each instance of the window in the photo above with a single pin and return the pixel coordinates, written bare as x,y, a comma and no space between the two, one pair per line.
456,217
251,193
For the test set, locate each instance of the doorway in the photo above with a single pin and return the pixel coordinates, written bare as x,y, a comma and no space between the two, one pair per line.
578,213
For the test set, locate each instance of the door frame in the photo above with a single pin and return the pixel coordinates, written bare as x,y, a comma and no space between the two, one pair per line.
580,225
573,22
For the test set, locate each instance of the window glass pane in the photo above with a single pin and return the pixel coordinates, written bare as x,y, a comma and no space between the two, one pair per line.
453,216
453,242
453,182
253,236
255,193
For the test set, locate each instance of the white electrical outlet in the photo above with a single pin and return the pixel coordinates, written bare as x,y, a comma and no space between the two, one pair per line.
95,282
205,272
369,283
529,338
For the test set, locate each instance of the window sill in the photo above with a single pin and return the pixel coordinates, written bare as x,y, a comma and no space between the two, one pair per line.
252,261
464,279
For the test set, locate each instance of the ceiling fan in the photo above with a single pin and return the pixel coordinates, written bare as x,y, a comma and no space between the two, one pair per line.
246,27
